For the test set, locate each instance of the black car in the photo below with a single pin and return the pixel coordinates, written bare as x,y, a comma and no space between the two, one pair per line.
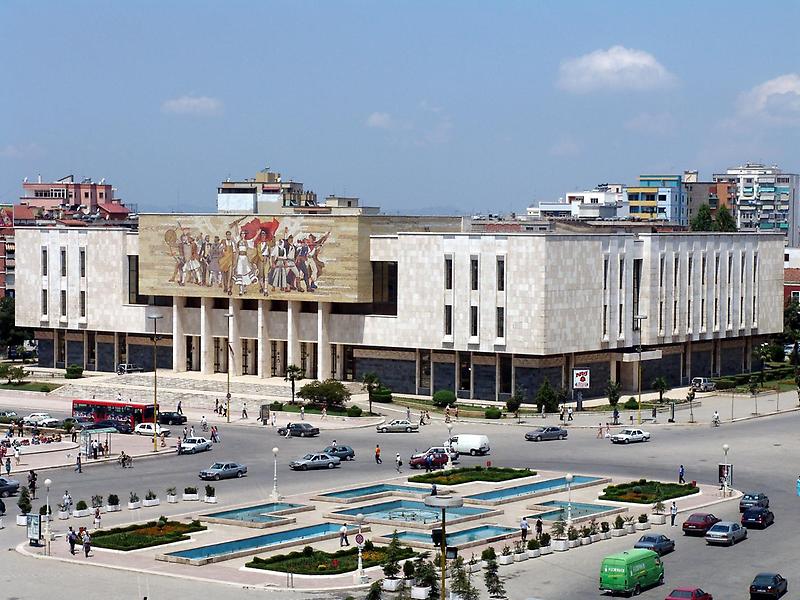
752,499
299,430
768,584
171,418
758,516
8,487
120,426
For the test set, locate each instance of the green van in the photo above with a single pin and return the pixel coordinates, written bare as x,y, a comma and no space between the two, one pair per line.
631,571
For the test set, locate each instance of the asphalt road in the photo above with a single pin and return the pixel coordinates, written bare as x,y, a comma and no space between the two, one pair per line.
762,450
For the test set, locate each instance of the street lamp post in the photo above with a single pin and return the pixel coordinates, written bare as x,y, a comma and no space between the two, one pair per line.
725,448
47,484
444,501
155,318
639,319
275,495
449,465
362,577
569,479
228,316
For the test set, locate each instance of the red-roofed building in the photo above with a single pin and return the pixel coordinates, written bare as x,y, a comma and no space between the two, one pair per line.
791,285
113,212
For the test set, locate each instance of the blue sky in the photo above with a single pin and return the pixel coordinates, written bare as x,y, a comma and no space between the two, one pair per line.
474,106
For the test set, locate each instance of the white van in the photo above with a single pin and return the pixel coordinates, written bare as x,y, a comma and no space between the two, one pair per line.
469,443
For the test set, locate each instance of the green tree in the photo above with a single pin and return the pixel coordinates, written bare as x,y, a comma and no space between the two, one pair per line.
329,393
703,221
762,353
24,501
443,398
791,321
491,578
461,584
724,221
5,372
10,334
375,591
18,374
293,373
370,383
660,385
546,396
613,392
514,403
391,566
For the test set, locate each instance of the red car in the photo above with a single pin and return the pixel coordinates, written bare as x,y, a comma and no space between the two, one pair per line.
699,523
419,462
688,593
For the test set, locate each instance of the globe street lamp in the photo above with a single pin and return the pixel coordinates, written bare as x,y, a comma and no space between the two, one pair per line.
47,484
725,448
275,495
362,577
569,479
444,501
449,465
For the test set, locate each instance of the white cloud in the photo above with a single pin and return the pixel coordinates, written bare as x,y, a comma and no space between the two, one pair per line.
565,147
381,120
656,123
198,106
617,68
777,99
20,151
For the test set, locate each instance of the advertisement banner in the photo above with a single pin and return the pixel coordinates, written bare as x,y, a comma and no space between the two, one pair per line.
725,474
580,379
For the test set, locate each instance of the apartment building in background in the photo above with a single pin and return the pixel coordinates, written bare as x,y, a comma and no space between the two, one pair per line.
713,193
658,198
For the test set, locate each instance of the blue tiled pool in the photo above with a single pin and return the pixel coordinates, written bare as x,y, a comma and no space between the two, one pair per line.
257,514
475,534
257,543
410,511
551,485
378,488
579,509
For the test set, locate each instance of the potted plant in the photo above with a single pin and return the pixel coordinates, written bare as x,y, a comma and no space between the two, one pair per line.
46,512
559,530
520,552
594,531
172,496
544,544
643,523
24,505
190,493
619,527
585,535
408,570
572,537
605,530
492,581
81,509
658,517
391,566
133,501
112,503
211,495
630,527
534,549
487,555
505,558
426,583
150,499
97,501
63,513
474,565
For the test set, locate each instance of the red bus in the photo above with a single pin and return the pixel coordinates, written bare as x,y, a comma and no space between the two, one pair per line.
100,410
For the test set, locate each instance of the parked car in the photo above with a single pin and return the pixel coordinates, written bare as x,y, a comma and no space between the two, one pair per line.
768,584
77,423
147,429
631,571
546,433
40,419
758,516
342,452
8,413
120,426
725,532
223,470
689,593
318,460
299,430
438,450
658,543
193,445
398,425
171,418
753,499
123,368
8,487
699,523
703,384
628,435
469,443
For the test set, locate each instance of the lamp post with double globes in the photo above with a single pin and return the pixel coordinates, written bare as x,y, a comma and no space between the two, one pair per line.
47,484
568,478
275,495
362,576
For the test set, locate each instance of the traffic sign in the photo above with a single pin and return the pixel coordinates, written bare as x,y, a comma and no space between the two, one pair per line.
359,539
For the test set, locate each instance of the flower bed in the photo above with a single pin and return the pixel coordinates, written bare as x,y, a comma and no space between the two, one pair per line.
316,562
469,474
153,533
647,492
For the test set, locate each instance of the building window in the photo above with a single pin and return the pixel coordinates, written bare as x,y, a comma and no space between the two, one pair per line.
674,315
702,314
501,275
741,311
620,319
63,262
689,315
384,288
501,322
690,271
716,313
755,310
63,303
637,280
675,270
133,281
661,272
728,314
473,273
82,257
83,303
448,273
755,268
605,320
473,321
44,302
661,315
44,262
730,267
795,296
621,272
448,319
703,270
605,273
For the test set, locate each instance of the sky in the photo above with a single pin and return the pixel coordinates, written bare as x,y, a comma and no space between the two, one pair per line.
474,107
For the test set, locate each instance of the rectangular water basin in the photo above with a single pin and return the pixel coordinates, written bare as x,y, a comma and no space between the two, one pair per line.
253,545
370,492
412,513
529,490
475,536
552,510
258,516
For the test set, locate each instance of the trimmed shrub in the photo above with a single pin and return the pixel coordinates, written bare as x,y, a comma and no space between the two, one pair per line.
493,413
74,372
631,404
210,491
544,539
382,395
354,411
443,398
113,500
488,554
81,505
725,384
276,406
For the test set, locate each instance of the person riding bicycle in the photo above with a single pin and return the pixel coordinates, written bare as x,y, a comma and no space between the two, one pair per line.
715,419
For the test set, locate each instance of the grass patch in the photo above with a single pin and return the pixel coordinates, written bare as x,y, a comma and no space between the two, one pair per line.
469,474
153,533
647,492
28,386
316,562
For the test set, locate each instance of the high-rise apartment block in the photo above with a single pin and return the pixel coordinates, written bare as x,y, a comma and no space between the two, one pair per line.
658,198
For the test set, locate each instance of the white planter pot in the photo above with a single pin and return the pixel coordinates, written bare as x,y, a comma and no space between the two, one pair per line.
63,515
473,567
22,520
134,505
630,527
642,526
455,596
618,532
190,497
560,545
81,513
519,557
505,560
420,593
658,519
172,499
586,541
534,553
113,508
596,537
153,502
392,585
606,535
545,550
210,499
574,543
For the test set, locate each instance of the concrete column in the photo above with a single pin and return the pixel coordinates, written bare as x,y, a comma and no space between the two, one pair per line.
497,377
234,337
323,341
195,353
178,339
292,338
116,348
262,360
687,348
612,369
339,362
416,370
206,337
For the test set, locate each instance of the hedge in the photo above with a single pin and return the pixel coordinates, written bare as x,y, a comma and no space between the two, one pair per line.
354,411
152,533
631,404
444,398
469,474
647,492
315,562
382,395
493,413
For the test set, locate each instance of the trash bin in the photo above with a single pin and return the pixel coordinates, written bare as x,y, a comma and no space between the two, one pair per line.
694,483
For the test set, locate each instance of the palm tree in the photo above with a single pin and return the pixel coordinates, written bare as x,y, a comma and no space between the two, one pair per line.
370,383
293,373
660,385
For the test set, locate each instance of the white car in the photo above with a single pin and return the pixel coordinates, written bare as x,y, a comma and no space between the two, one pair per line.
195,445
147,429
626,436
40,419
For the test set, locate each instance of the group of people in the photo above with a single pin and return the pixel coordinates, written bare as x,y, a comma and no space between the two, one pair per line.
524,526
447,414
82,537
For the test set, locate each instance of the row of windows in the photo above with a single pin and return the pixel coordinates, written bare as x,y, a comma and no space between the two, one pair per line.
474,273
63,303
500,321
63,261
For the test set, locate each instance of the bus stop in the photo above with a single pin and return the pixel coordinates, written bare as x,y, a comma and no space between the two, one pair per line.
101,435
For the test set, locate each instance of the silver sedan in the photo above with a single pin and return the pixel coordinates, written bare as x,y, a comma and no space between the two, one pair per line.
318,460
726,532
398,425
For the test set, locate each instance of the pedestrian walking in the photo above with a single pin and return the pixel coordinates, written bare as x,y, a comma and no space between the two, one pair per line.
180,408
8,465
324,413
106,451
78,463
302,413
185,432
523,527
179,445
599,431
447,414
428,417
191,431
32,483
408,413
74,435
87,543
455,412
378,460
398,462
608,430
72,539
421,418
542,409
681,475
538,528
16,455
66,501
561,414
333,445
288,431
343,541
428,463
216,405
569,414
616,416
673,512
94,449
244,410
97,517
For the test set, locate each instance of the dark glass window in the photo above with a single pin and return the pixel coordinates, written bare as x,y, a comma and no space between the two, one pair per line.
473,273
501,322
448,273
384,287
501,274
473,321
448,319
